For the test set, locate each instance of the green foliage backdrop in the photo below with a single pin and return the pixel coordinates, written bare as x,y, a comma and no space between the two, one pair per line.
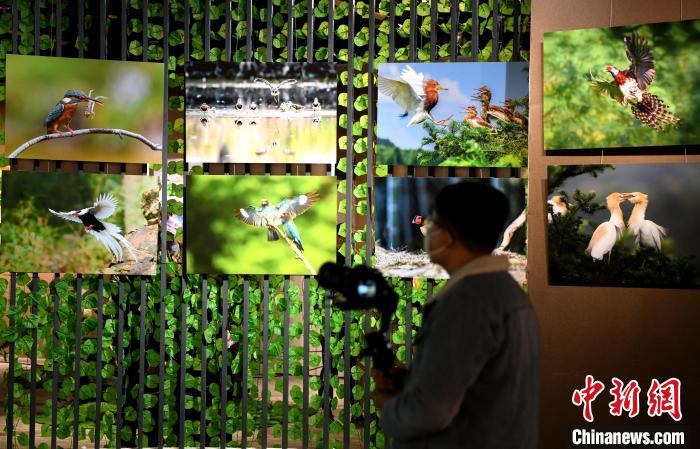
332,38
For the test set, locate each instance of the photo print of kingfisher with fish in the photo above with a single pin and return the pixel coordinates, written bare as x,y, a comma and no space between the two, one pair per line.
108,111
630,86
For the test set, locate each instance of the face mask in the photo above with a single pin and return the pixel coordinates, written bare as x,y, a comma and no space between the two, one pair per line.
426,245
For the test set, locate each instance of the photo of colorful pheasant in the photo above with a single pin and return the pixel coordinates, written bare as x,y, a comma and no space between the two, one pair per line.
629,86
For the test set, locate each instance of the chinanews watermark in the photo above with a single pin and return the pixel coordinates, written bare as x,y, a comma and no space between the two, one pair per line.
662,398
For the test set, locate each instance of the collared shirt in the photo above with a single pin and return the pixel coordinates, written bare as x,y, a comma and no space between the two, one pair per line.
474,379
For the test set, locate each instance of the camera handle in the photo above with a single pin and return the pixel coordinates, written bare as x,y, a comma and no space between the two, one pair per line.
379,348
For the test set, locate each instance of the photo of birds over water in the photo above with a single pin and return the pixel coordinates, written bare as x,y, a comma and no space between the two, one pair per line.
84,109
453,114
260,224
259,112
402,208
630,86
617,225
79,223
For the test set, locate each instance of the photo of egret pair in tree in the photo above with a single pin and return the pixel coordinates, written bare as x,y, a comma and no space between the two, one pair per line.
630,86
84,109
261,112
402,209
260,224
79,223
453,114
618,225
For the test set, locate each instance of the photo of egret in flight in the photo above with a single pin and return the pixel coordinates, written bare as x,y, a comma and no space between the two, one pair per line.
261,112
453,114
68,109
618,225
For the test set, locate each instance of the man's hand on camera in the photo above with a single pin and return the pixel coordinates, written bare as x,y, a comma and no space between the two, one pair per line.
385,387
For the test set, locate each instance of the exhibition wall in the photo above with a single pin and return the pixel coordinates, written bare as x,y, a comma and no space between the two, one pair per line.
630,333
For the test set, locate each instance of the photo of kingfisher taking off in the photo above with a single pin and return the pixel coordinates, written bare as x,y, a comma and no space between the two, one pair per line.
61,115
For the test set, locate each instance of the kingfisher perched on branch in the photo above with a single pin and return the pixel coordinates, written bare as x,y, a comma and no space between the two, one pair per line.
92,218
279,215
414,94
630,86
62,114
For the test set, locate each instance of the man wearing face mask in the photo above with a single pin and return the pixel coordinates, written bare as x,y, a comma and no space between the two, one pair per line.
474,378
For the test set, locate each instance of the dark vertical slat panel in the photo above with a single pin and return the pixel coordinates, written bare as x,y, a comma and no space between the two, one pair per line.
517,25
183,362
125,18
78,338
392,30
186,7
496,44
265,368
290,31
81,28
98,363
244,366
285,368
11,368
249,30
203,372
331,32
269,30
305,380
409,321
454,25
144,30
37,36
163,231
224,362
310,31
207,30
142,363
412,37
429,294
59,30
103,24
350,210
228,30
54,369
475,29
326,370
120,365
15,25
370,211
433,30
32,381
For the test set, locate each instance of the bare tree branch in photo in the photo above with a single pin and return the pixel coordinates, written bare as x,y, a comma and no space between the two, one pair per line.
510,230
294,248
120,132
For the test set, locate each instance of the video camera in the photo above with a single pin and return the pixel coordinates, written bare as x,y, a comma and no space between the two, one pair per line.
363,288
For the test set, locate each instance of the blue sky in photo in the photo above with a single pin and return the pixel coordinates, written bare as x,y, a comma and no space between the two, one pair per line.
505,79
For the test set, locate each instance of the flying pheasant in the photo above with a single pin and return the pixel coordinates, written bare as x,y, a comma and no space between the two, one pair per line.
414,94
92,218
630,86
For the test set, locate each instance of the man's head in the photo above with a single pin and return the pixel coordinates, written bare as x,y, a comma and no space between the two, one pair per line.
467,221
